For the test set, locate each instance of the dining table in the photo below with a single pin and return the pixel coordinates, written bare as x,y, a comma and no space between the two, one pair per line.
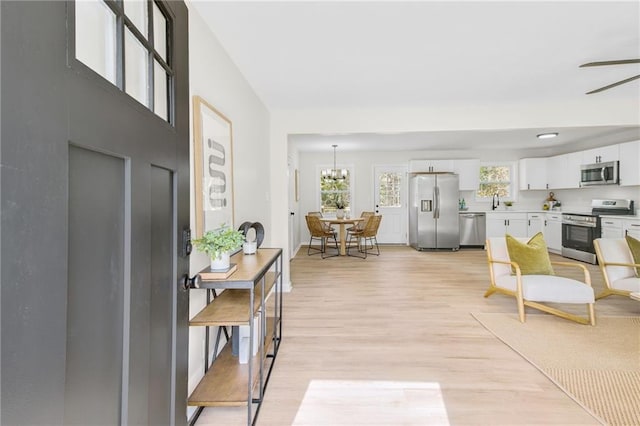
343,231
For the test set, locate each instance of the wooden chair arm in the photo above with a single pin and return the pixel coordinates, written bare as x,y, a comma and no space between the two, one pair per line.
587,275
632,265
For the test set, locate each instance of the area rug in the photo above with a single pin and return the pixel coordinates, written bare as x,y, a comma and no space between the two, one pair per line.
599,367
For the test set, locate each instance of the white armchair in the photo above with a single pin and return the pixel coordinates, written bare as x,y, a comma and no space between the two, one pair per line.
535,290
617,266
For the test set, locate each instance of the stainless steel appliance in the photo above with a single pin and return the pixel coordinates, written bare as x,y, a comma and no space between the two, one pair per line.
580,229
473,228
433,211
606,173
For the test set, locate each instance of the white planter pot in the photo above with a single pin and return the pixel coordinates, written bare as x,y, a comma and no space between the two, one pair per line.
340,213
221,263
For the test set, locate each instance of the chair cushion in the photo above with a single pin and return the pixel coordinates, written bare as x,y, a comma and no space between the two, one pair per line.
629,284
549,288
532,257
634,246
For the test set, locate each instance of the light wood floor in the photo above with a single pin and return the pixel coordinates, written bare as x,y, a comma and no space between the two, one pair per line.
405,316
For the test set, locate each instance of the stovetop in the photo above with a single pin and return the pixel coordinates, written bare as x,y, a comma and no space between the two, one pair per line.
606,207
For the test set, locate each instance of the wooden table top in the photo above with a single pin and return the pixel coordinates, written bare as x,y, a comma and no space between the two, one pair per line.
338,221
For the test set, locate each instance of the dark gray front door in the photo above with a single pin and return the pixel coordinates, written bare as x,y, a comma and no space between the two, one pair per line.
95,195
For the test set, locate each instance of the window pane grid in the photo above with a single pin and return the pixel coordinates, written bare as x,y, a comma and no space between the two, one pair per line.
135,18
494,179
389,195
334,191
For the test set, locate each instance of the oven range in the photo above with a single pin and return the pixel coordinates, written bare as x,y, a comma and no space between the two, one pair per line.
580,229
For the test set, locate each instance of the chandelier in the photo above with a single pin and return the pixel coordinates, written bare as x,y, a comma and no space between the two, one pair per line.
334,174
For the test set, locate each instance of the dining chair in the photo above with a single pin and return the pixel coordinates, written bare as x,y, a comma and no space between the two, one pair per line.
366,238
326,226
360,225
319,232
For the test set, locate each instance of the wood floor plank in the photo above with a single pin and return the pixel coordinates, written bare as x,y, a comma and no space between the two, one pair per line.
405,316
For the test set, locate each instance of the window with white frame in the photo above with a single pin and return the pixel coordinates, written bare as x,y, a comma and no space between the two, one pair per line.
334,192
138,62
495,178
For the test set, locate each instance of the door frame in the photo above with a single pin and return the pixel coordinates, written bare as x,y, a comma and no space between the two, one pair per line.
402,237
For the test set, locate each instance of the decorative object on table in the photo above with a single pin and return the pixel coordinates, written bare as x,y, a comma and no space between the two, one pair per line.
219,244
339,209
462,205
213,167
550,203
507,205
252,240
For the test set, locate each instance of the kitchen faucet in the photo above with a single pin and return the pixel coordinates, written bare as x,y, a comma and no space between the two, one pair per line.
495,202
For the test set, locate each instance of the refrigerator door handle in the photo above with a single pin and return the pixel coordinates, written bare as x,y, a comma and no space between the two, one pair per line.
436,198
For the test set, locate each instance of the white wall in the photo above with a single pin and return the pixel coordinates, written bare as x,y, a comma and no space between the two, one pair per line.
215,78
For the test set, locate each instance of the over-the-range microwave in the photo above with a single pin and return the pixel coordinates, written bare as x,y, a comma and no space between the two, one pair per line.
606,173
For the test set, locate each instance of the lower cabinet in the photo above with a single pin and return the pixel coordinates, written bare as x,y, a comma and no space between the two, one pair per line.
248,311
553,232
632,228
535,223
500,224
611,228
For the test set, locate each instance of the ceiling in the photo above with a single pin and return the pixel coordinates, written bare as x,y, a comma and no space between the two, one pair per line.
331,55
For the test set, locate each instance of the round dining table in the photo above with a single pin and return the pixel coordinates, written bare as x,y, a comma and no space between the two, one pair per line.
343,232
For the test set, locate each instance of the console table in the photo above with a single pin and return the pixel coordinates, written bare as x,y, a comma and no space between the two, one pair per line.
242,303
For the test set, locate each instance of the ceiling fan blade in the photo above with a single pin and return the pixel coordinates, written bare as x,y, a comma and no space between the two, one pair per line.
617,62
626,80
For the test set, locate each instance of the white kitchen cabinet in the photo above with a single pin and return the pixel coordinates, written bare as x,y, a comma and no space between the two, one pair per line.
611,227
631,227
469,174
563,171
630,163
601,155
499,224
553,232
533,173
535,223
424,166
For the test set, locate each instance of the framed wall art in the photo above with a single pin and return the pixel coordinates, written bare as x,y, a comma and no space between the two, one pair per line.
213,167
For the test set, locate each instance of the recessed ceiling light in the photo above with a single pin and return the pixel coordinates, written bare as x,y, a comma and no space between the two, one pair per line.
547,135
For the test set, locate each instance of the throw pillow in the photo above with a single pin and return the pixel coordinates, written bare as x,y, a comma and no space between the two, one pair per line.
634,247
532,257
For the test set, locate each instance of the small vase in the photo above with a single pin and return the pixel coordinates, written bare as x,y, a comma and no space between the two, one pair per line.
221,263
340,214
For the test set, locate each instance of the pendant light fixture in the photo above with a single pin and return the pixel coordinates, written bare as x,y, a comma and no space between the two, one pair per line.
334,174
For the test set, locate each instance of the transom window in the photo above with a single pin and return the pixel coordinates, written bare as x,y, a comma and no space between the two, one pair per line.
495,179
128,43
334,191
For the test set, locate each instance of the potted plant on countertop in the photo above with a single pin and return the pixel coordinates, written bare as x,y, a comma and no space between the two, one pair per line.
339,209
507,205
219,244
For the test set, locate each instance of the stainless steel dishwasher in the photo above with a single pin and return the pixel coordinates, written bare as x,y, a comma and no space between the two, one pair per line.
472,229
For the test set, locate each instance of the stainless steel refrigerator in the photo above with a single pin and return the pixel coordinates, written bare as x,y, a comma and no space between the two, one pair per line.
433,212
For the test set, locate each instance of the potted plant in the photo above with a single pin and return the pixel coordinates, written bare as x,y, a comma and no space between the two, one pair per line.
218,244
508,204
339,209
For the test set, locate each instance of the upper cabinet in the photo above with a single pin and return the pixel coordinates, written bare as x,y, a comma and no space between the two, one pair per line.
533,173
469,173
425,166
563,171
601,155
630,163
